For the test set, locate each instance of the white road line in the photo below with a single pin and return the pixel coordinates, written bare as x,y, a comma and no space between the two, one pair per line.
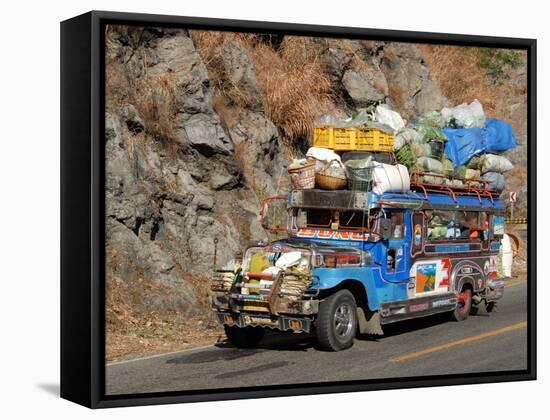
154,356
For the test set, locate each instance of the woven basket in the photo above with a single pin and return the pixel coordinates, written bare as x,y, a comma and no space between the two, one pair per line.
303,178
329,182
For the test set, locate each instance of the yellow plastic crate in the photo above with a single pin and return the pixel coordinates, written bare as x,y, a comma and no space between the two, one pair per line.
323,137
373,140
344,138
350,139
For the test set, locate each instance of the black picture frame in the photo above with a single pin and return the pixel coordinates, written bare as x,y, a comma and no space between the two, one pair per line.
83,203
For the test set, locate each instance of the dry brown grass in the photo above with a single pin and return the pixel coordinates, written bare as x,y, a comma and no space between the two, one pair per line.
210,45
134,328
153,96
461,79
295,86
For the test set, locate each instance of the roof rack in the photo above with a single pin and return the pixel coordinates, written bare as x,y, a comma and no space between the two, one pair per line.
480,188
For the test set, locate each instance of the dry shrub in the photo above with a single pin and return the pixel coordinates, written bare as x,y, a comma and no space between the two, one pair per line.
136,324
153,96
296,89
295,86
210,45
155,101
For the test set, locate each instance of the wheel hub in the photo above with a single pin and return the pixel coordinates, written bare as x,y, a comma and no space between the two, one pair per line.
343,320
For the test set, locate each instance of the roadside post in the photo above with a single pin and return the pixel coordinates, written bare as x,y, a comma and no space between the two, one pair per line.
512,198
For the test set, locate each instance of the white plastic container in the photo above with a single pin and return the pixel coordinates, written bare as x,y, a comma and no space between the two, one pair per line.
507,256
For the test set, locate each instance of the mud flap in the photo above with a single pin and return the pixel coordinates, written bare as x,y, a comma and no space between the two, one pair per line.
369,323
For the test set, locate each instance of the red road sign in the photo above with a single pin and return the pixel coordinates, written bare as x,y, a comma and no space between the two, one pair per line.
513,196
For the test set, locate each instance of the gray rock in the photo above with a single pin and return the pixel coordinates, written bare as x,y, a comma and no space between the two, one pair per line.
240,70
206,134
133,120
411,91
365,86
220,181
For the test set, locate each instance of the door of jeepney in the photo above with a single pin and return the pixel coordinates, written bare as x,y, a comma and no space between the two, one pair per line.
395,267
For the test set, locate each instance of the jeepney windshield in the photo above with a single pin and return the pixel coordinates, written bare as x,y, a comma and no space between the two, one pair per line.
257,258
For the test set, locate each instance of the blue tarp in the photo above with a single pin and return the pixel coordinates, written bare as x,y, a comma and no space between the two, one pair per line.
464,143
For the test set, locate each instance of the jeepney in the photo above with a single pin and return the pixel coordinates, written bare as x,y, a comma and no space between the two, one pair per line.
354,261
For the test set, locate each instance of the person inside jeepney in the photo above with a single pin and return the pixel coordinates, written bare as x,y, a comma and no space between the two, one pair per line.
470,227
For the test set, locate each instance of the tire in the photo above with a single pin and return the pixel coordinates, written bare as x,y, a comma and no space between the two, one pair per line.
244,338
337,321
464,305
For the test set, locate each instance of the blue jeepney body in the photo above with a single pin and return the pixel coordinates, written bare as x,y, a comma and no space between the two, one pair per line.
382,285
396,276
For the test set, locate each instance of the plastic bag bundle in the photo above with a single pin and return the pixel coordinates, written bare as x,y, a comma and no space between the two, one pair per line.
289,259
334,169
495,163
388,117
464,115
448,166
430,179
433,118
428,132
406,136
496,180
473,173
422,149
430,165
360,169
297,163
361,118
475,162
332,121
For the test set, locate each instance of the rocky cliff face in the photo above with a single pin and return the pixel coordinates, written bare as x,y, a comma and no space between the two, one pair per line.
186,166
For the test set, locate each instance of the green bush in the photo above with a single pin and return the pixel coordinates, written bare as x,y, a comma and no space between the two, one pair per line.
497,62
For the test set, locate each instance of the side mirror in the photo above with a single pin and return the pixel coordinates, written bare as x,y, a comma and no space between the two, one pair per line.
385,228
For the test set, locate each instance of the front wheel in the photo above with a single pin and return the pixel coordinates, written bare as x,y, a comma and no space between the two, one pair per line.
463,306
244,337
337,321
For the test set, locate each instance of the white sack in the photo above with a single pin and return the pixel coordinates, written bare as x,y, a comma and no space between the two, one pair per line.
390,178
386,116
288,259
465,115
430,164
507,255
323,157
495,163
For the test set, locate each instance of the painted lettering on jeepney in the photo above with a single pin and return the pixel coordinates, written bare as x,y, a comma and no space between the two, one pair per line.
331,234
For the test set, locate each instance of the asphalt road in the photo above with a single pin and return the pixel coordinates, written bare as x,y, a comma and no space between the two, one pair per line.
428,346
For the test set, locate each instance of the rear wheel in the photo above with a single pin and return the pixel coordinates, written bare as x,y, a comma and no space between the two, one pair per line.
244,337
463,306
337,321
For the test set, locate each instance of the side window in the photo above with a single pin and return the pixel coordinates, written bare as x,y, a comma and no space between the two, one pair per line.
470,225
397,225
441,225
